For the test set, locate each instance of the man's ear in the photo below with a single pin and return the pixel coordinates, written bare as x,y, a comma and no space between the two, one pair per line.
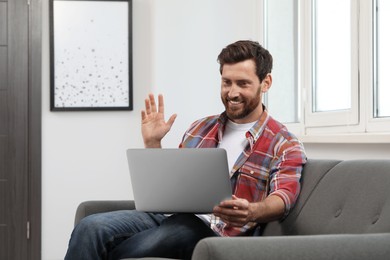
266,83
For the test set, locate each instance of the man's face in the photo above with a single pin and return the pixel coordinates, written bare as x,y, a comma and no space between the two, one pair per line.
241,91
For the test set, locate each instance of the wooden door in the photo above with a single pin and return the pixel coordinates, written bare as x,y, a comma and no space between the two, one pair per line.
18,132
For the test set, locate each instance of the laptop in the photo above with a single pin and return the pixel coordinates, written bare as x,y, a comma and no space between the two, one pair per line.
174,180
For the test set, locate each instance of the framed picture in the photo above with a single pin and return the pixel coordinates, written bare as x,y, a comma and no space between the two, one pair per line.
91,55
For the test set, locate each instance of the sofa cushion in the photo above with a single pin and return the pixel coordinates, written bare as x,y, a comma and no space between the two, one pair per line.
313,171
351,197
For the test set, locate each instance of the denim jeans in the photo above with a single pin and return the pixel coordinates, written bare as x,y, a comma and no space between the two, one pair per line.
130,233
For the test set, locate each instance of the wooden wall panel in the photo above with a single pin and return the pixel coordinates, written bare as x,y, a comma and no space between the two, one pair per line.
4,241
3,23
3,113
3,204
3,222
3,67
3,160
4,250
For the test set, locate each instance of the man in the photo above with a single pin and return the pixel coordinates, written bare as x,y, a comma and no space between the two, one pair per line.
265,161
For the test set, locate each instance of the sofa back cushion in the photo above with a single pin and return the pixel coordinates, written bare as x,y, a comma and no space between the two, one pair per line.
340,197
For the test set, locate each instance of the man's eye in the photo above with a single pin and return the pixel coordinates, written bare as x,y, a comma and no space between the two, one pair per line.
226,83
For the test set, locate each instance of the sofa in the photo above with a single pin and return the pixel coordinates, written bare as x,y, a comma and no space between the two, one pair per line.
343,212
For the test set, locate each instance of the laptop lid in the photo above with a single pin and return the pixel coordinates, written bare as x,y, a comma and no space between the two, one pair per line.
179,179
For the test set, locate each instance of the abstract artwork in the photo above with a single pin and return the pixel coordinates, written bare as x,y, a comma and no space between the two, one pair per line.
91,57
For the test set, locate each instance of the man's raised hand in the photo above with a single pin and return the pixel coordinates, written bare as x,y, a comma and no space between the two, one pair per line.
153,125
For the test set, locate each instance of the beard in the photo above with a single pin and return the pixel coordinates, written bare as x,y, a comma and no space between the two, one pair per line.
242,108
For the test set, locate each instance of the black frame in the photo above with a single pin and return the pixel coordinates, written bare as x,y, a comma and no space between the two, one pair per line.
89,107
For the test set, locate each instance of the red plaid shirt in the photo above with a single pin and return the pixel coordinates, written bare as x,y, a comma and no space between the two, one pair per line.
271,163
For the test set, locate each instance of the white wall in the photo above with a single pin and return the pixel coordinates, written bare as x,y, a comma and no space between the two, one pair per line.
175,46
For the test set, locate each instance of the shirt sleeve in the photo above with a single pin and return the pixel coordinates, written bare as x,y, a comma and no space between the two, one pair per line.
286,172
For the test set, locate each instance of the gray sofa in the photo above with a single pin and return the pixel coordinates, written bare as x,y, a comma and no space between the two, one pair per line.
343,212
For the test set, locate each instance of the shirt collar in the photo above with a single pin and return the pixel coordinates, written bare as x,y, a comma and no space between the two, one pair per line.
253,133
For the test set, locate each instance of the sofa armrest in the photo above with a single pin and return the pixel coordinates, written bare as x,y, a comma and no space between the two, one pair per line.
353,247
91,207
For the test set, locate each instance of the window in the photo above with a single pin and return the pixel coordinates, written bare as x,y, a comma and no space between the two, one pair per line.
331,73
330,70
382,55
281,40
331,54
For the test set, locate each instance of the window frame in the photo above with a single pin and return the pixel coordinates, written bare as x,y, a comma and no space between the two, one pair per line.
374,124
357,125
332,118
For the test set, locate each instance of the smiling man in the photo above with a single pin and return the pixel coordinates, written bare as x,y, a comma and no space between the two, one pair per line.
265,162
241,91
242,88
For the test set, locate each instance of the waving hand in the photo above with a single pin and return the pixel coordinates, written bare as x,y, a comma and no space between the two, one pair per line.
153,126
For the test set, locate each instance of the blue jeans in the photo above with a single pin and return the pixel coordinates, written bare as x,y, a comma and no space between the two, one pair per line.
130,233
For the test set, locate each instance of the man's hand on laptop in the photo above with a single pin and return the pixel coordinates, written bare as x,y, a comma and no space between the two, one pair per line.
153,125
235,212
238,212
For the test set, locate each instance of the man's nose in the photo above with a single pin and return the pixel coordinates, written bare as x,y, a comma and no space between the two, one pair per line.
233,91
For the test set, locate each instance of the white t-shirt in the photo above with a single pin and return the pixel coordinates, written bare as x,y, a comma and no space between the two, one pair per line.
234,142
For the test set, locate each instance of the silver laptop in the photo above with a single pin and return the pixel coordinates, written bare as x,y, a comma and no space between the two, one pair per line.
179,180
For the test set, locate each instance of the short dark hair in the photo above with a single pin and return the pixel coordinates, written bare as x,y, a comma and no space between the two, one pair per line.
244,50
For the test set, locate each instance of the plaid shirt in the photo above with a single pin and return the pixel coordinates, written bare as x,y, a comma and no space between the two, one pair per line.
270,164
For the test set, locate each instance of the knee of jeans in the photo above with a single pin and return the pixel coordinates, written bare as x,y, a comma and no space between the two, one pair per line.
89,225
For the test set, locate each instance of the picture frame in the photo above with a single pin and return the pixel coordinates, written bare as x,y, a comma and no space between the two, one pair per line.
90,55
